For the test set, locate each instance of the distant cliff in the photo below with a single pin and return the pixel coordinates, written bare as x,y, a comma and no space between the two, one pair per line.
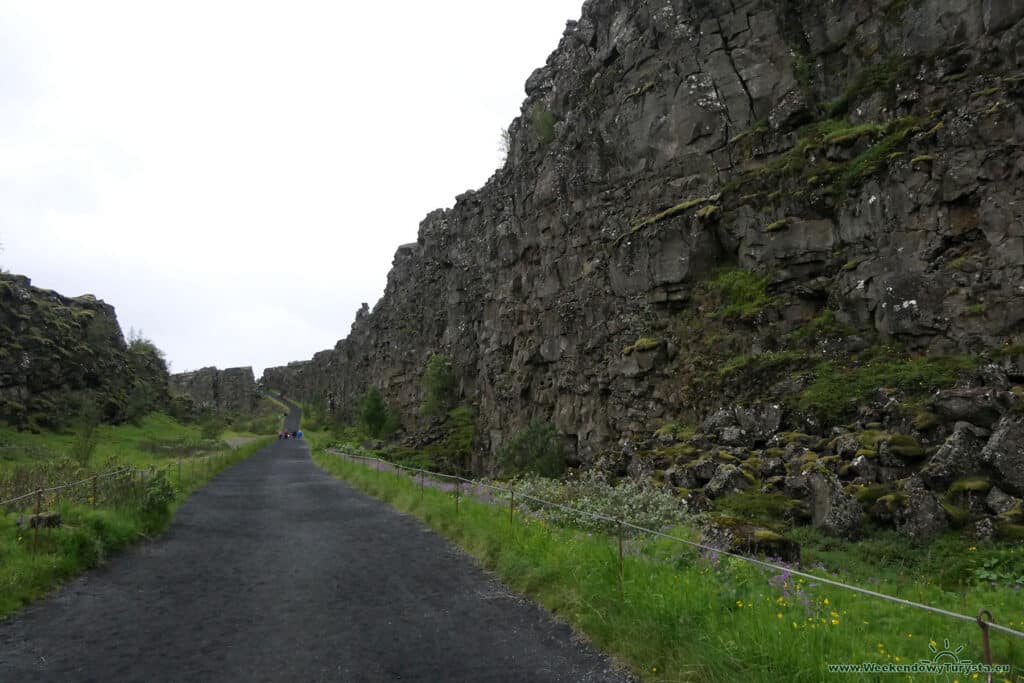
861,160
232,390
61,356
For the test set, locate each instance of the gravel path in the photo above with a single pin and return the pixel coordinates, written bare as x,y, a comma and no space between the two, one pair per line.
276,571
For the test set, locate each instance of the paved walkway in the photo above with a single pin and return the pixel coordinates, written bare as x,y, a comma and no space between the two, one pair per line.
276,571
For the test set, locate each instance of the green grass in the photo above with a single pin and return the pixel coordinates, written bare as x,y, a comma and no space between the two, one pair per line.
837,388
743,293
684,618
34,460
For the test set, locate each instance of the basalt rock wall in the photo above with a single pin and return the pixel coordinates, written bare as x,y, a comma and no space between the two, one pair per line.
861,157
230,391
63,357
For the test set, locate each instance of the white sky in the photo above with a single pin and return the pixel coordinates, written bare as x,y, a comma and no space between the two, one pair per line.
234,177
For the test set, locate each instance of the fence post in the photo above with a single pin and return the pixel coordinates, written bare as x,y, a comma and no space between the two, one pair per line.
622,593
179,475
421,484
95,478
511,506
39,509
458,494
983,623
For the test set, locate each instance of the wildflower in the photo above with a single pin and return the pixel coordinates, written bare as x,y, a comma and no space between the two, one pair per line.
835,622
910,635
779,615
654,669
825,601
794,625
739,603
972,549
833,614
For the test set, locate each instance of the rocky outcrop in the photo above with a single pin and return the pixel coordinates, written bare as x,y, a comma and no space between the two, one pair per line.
62,357
229,391
795,227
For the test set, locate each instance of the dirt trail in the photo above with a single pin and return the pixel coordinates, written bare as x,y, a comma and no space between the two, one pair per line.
276,571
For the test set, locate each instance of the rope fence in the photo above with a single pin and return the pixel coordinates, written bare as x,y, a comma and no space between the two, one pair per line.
984,619
116,487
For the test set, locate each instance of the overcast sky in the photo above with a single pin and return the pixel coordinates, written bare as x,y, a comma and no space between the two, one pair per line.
234,177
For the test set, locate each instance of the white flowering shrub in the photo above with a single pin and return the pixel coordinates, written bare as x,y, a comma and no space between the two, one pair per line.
629,501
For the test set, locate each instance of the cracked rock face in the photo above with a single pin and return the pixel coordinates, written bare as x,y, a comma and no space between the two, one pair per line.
232,390
665,139
59,354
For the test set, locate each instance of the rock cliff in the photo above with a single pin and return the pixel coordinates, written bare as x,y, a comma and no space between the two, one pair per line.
230,391
791,215
60,356
864,157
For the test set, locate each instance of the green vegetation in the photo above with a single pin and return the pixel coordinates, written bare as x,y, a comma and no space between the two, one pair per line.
684,615
667,213
97,519
642,344
837,388
438,386
743,294
775,226
534,450
375,415
543,124
877,78
975,310
813,172
767,361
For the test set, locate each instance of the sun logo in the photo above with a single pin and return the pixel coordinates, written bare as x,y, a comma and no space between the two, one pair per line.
946,653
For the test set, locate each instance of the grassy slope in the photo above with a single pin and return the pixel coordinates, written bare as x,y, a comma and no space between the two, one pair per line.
89,536
687,618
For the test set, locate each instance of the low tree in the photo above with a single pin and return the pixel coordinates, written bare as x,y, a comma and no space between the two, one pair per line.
438,386
373,412
534,450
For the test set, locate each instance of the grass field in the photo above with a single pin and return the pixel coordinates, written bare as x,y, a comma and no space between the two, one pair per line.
100,517
683,615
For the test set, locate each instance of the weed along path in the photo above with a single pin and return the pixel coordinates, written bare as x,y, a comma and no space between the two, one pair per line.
276,571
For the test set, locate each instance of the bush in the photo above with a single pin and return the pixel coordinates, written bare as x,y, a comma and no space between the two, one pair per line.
543,124
534,450
743,293
454,454
87,434
438,386
212,426
378,420
630,501
158,495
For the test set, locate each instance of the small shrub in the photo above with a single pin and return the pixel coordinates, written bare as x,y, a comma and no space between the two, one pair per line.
543,124
630,501
438,386
87,434
157,498
743,293
211,426
375,416
534,450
